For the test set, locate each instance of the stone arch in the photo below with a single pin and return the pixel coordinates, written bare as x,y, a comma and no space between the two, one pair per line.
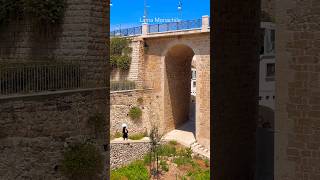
176,63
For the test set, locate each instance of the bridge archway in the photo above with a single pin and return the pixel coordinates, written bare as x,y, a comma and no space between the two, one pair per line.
177,85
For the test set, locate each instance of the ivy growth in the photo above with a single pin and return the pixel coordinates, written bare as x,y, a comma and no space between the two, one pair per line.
42,11
120,53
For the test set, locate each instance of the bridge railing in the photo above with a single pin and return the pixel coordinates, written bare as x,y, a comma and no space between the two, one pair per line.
134,31
175,26
145,29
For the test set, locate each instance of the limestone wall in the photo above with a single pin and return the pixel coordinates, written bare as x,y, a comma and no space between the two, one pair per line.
122,153
34,131
120,104
297,137
81,38
34,128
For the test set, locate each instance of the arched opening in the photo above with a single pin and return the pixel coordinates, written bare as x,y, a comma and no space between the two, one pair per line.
177,86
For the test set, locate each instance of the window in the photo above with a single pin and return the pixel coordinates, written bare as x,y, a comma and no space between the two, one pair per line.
194,83
267,97
262,30
260,98
270,72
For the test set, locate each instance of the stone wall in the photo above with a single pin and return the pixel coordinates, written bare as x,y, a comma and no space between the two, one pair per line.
34,131
120,104
297,137
34,128
122,153
81,38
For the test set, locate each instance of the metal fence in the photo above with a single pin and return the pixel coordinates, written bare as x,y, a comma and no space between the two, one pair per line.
175,26
127,32
122,85
27,78
164,27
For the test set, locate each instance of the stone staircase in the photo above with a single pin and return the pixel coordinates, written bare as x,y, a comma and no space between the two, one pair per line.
198,149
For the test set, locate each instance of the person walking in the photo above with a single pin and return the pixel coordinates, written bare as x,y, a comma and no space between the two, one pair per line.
125,133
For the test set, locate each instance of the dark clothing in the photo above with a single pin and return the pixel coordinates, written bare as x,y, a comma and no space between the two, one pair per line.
125,133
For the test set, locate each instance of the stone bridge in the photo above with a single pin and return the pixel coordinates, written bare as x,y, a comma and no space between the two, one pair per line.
162,61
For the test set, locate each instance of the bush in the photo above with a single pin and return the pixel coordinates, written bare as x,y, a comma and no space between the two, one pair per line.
123,62
173,142
181,160
134,171
164,166
199,174
116,135
166,150
135,113
82,161
136,136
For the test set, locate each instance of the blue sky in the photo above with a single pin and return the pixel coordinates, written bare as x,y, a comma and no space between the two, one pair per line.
128,13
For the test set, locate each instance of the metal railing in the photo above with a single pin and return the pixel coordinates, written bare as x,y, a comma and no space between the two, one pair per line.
175,26
127,32
122,85
34,78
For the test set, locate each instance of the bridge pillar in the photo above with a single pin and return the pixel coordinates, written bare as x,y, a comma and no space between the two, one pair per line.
205,23
145,29
136,68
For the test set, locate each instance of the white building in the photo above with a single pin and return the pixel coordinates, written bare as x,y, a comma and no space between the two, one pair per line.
266,71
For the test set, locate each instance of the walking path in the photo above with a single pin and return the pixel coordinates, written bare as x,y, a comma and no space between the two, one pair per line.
185,135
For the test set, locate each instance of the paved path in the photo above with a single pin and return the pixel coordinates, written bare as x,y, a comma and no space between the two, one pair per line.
185,135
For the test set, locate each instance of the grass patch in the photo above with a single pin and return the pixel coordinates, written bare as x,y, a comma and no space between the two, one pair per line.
166,150
116,135
173,143
199,174
134,171
137,136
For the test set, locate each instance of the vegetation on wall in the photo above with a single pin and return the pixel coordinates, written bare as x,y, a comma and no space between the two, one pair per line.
82,161
42,11
135,113
120,53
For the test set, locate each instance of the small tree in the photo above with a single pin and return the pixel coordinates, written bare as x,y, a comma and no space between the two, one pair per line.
135,113
155,138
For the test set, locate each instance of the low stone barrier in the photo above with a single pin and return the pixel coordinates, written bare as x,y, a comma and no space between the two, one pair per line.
124,152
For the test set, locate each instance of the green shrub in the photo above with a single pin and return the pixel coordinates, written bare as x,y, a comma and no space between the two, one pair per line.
166,150
173,142
134,171
120,53
148,158
114,60
164,165
123,62
181,160
82,161
199,174
135,113
116,135
186,152
136,136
